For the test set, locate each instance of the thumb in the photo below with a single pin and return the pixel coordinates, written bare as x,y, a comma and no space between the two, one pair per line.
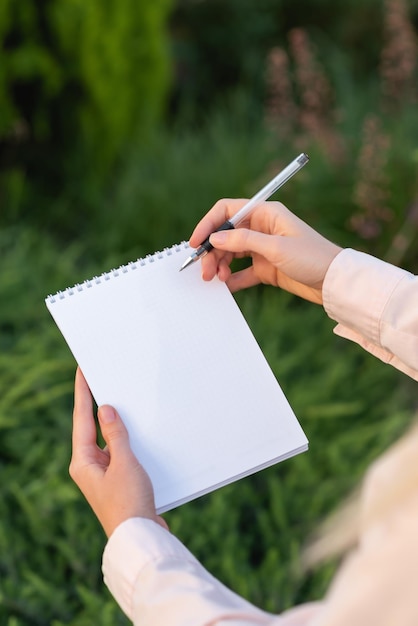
114,431
243,240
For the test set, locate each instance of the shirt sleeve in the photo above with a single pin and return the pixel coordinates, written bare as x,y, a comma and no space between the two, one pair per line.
158,582
377,581
375,305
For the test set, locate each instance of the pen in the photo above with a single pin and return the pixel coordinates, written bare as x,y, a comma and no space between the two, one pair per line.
259,197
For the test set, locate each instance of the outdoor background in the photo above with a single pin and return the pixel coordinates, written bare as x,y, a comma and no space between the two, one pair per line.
121,123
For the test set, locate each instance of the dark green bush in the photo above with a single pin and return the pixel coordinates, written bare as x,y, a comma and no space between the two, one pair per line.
221,45
78,77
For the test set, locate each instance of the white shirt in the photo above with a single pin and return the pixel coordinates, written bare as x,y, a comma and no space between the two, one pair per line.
158,582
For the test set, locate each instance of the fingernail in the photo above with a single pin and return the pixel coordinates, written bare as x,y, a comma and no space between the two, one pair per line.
218,238
106,414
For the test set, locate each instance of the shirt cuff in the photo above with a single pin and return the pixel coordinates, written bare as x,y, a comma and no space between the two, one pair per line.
131,547
356,290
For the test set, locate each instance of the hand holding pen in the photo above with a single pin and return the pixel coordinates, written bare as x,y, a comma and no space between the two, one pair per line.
285,251
262,195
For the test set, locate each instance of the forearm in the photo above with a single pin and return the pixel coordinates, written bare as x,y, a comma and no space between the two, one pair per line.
375,304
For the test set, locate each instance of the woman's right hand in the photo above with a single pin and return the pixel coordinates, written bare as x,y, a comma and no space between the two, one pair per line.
285,252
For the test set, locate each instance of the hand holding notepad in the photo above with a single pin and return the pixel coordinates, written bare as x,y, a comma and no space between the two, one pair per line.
174,355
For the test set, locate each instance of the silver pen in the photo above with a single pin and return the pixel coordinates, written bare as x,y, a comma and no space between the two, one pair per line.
262,195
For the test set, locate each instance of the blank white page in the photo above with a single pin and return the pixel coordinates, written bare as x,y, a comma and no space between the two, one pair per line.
176,358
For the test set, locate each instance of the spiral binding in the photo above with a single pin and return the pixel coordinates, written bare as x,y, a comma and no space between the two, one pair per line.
114,273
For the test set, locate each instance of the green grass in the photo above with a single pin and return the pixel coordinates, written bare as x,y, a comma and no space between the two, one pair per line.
249,534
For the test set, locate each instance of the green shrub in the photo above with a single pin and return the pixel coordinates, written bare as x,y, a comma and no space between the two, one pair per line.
79,76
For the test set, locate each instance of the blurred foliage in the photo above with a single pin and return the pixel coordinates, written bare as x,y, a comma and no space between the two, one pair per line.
73,76
123,192
221,45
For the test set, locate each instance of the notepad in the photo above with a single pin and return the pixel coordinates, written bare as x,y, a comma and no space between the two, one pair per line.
176,358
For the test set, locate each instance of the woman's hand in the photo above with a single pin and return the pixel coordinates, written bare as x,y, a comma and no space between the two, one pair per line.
285,251
112,480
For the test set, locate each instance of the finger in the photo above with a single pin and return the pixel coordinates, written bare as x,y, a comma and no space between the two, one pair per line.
213,262
224,271
242,279
84,428
209,265
114,433
245,241
219,213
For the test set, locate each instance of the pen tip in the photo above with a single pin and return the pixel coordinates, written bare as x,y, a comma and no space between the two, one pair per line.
186,263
